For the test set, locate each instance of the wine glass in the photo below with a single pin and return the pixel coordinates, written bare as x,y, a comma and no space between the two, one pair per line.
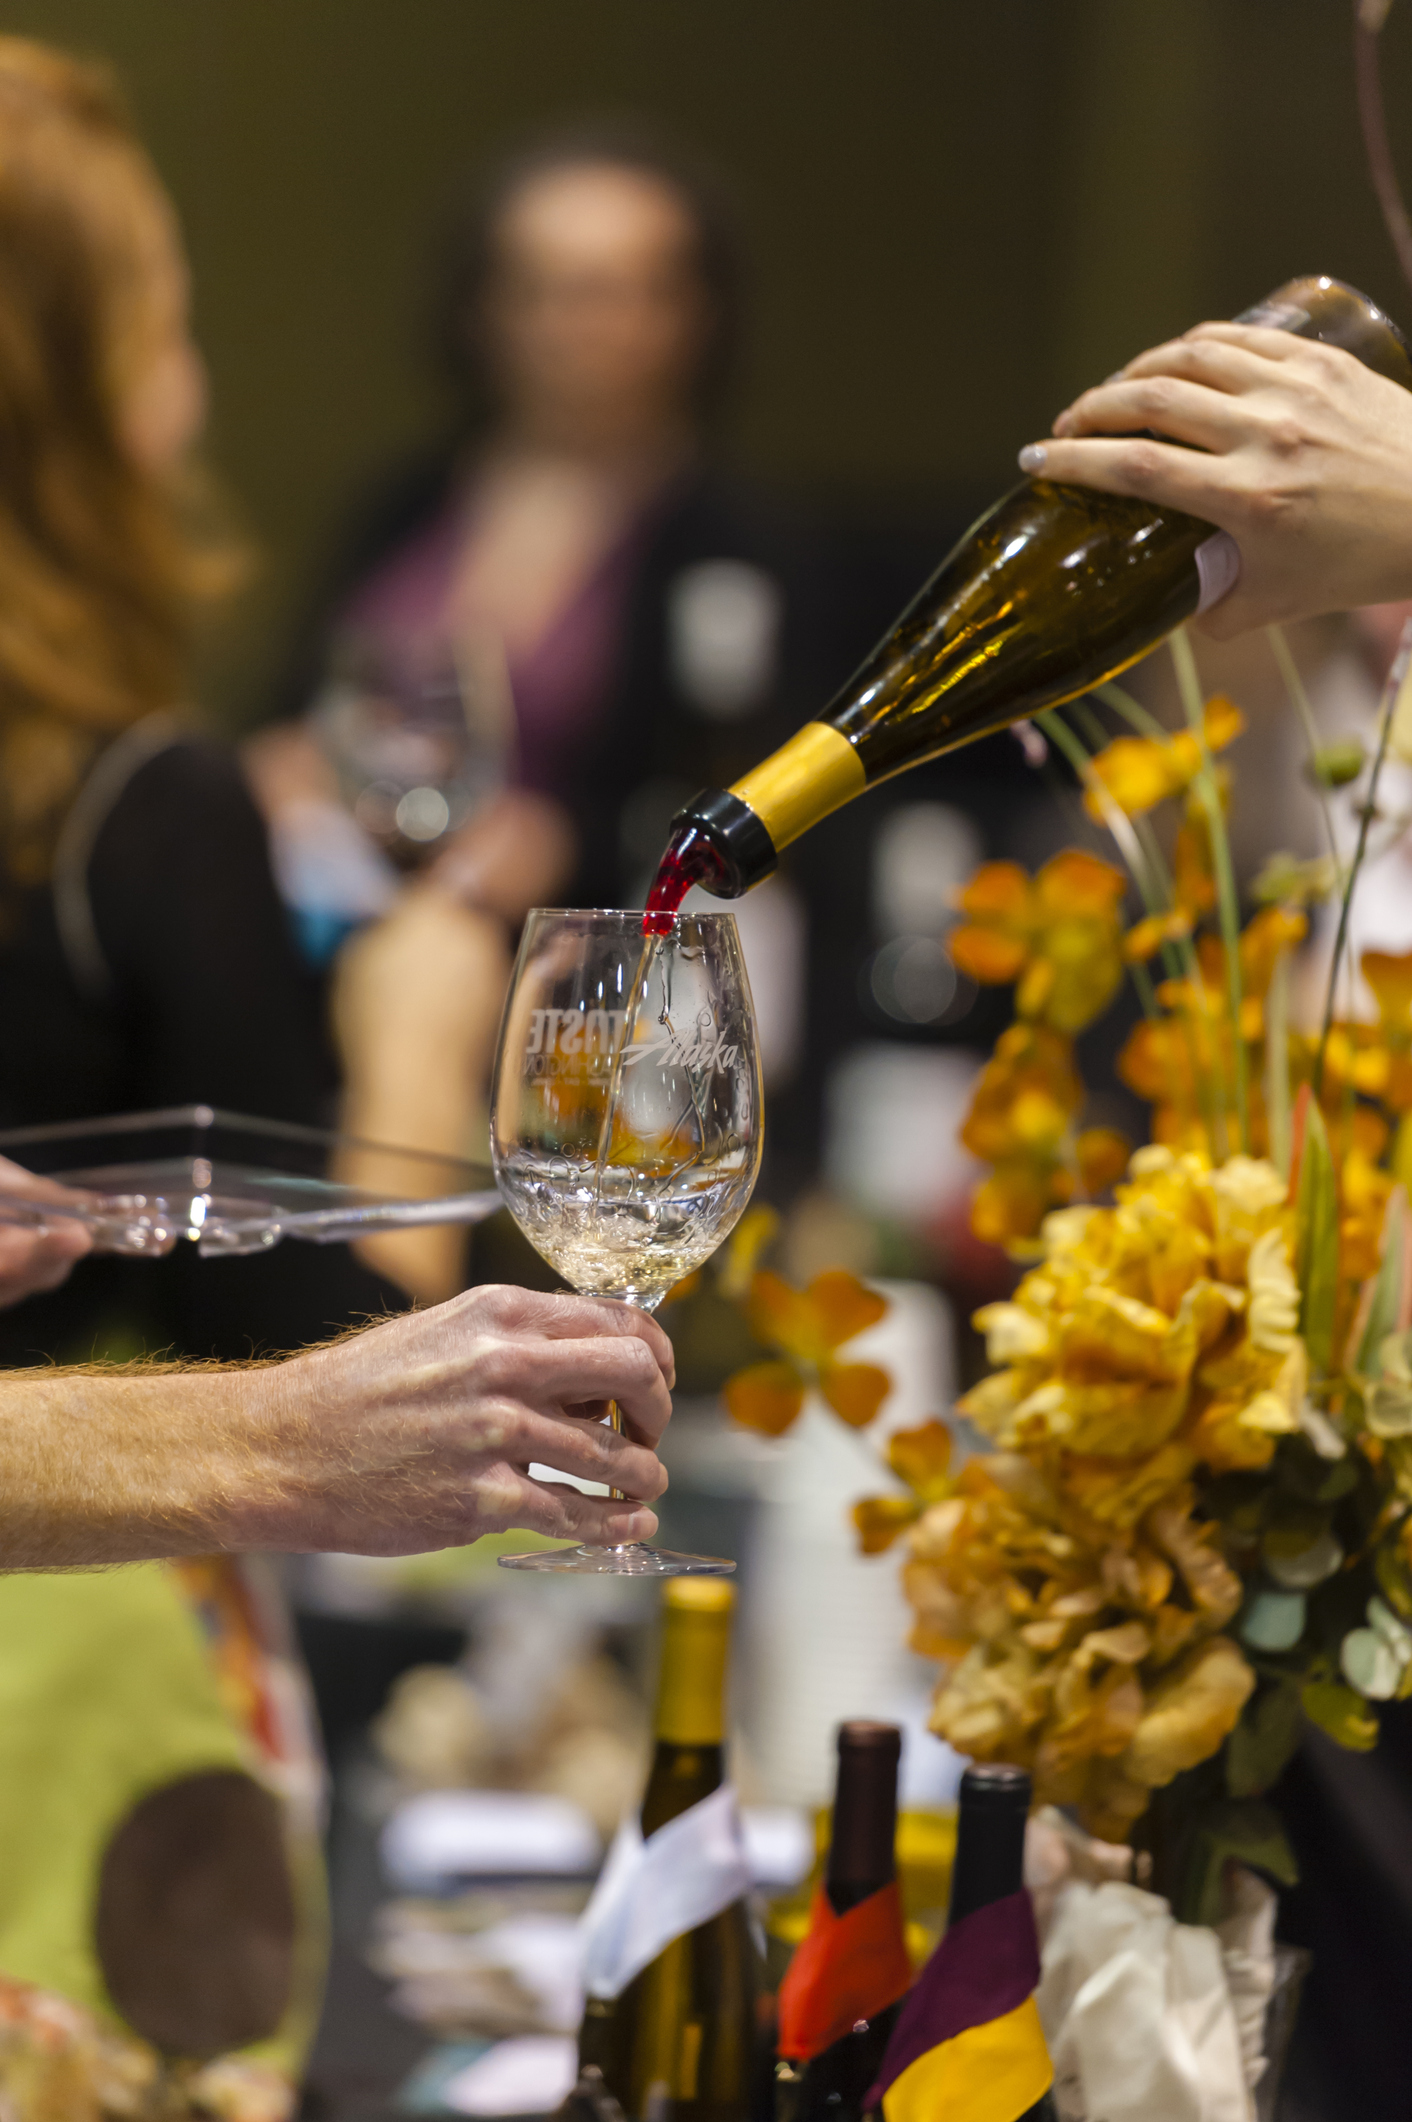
626,1123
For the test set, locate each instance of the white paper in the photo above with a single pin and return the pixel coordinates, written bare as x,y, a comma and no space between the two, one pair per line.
528,2076
1248,1950
779,1841
1138,2013
467,1834
543,1953
651,1892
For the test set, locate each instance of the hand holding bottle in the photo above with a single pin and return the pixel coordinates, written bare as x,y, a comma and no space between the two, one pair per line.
1296,449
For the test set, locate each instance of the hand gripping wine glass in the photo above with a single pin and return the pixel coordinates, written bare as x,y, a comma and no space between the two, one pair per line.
626,1123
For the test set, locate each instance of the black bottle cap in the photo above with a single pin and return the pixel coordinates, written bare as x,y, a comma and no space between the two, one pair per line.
990,1836
862,1849
746,851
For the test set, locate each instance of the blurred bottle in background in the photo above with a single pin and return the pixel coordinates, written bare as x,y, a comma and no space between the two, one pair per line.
672,1968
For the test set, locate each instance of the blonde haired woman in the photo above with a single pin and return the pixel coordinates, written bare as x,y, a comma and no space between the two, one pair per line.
158,1854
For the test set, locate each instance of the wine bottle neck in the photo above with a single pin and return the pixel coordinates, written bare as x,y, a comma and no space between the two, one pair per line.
681,1776
862,1846
990,1838
691,1689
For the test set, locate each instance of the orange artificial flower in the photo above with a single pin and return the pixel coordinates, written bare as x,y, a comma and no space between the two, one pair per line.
1103,1154
920,1457
807,1327
1145,939
1193,873
1058,935
1024,1103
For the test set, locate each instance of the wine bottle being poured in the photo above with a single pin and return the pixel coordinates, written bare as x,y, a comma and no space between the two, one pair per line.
1055,590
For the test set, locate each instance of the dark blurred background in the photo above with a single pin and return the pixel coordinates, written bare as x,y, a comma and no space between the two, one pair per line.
956,215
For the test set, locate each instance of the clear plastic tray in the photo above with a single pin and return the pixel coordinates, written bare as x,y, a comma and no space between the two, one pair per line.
144,1181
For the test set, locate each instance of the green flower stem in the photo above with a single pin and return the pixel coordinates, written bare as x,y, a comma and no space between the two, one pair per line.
1093,730
1146,994
1208,796
1123,703
1390,692
1294,686
1277,1098
1064,740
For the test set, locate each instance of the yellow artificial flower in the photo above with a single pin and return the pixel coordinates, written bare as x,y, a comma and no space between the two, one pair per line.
1383,1067
1269,936
1137,773
1058,936
1152,1333
1088,1655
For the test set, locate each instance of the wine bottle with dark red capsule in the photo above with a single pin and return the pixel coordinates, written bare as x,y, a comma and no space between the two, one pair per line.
1055,590
839,2001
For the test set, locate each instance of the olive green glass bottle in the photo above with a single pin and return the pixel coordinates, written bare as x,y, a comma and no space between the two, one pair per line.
1055,590
678,2045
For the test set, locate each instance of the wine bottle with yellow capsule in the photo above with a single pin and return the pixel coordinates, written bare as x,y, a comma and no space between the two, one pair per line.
1055,590
678,2042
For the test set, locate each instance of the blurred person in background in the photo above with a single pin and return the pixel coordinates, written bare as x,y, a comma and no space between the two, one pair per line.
559,623
145,959
154,1750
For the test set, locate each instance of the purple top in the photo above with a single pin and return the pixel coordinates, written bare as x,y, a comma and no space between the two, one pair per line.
560,686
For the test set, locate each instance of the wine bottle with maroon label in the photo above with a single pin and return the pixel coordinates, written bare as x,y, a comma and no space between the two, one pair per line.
1054,591
968,2039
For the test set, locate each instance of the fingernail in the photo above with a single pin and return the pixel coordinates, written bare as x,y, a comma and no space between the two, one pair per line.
1217,569
1032,458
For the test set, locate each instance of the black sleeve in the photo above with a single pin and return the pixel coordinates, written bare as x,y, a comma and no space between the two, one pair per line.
217,1005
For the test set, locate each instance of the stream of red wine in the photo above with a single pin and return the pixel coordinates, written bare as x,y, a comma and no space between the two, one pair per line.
690,859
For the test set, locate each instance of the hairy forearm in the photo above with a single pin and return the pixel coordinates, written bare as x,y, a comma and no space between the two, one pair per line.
102,1466
413,1434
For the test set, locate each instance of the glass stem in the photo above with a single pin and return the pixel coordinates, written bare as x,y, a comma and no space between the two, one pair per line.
615,1419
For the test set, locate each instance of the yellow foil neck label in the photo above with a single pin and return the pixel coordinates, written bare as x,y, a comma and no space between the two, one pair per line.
691,1693
815,773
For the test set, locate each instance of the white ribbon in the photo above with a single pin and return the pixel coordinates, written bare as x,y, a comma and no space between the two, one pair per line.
651,1892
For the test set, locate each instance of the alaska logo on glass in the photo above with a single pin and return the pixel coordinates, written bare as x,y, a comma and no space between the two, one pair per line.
582,1042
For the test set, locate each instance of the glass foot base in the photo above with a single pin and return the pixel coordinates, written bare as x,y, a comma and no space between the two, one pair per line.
633,1560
